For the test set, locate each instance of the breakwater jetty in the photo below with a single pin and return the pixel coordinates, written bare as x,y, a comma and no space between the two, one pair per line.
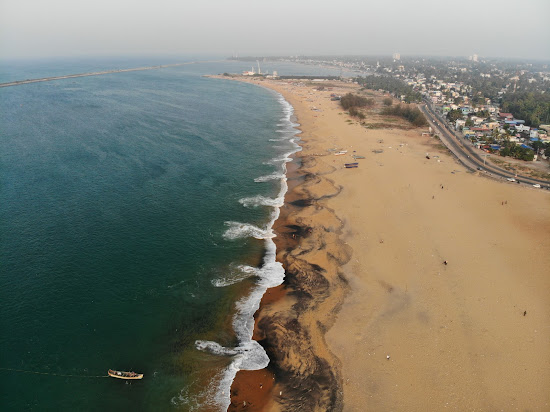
70,76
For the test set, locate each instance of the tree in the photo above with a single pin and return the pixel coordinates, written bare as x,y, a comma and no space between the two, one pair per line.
533,107
412,114
537,144
354,111
528,155
352,100
454,115
392,85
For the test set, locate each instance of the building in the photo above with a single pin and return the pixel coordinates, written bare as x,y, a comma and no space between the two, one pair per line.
396,56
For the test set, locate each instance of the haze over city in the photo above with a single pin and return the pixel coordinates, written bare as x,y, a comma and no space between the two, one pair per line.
425,27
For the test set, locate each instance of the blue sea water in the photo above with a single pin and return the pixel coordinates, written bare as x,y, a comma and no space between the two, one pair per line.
135,232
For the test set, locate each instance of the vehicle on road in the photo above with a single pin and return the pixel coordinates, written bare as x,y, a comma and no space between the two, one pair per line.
510,179
536,185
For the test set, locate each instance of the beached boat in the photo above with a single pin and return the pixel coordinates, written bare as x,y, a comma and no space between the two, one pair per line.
358,157
124,375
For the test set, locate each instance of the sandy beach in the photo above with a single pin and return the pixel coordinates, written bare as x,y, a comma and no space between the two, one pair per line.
370,317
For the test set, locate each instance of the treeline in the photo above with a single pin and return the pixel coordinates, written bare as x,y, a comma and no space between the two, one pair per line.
533,107
412,114
353,100
454,115
518,152
392,85
352,103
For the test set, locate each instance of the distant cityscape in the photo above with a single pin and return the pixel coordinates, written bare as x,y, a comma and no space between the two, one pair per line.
502,106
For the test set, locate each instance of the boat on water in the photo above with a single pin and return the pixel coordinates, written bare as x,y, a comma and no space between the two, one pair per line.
124,375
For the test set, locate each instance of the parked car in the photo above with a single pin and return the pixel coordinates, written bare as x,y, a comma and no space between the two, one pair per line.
510,179
536,185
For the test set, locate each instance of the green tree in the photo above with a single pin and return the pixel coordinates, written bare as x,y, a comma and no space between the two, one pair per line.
353,100
412,114
355,112
533,107
537,144
454,115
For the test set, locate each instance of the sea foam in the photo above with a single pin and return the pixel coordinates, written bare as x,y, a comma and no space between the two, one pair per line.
249,354
236,275
267,178
259,200
238,230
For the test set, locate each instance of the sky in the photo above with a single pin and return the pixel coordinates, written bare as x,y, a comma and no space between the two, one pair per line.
489,28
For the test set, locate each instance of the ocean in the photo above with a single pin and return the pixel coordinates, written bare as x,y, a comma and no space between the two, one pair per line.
135,231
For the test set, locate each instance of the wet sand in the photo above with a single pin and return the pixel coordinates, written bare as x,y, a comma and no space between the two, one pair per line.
364,251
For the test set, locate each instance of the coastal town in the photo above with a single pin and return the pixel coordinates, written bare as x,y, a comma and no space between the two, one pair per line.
420,226
302,206
501,107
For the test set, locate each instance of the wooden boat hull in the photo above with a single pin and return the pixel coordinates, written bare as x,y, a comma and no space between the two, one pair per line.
124,375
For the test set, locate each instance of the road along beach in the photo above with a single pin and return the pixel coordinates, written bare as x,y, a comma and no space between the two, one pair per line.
370,317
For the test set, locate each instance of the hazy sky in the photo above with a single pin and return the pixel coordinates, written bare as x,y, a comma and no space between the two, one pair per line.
496,28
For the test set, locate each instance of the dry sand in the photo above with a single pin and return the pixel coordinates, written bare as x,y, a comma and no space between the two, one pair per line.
366,278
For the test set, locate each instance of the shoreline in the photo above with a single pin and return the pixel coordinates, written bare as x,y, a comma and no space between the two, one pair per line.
289,342
302,369
412,333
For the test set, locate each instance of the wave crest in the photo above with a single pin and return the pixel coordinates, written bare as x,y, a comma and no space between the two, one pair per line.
239,230
272,176
259,200
249,354
240,273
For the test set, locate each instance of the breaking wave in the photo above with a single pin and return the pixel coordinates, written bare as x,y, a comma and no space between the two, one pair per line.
259,200
239,230
240,273
249,354
272,176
